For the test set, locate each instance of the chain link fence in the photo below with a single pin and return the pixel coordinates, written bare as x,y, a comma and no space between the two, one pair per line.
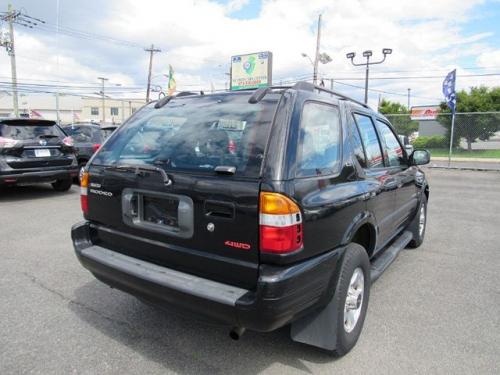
476,138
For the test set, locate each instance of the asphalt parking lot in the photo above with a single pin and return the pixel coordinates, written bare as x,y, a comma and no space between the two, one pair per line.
435,310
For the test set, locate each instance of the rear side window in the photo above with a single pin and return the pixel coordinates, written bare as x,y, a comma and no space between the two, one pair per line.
195,134
393,151
27,132
369,137
357,145
318,150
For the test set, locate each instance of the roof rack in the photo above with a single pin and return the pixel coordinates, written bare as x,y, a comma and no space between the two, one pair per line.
310,87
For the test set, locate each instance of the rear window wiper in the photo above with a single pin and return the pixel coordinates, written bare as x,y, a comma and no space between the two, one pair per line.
225,169
48,136
139,170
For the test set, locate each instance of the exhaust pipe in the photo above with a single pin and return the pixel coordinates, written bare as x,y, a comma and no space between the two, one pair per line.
236,332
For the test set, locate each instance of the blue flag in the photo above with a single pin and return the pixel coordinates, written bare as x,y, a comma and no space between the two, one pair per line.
449,90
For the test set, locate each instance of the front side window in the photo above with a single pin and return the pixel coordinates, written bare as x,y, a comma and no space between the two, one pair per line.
195,134
393,151
114,111
370,141
94,111
319,141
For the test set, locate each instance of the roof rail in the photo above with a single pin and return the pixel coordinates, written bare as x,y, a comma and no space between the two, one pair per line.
310,87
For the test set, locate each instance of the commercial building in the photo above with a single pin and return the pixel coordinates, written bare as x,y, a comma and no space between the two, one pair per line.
71,108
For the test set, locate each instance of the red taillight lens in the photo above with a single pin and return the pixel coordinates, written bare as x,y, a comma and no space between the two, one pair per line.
7,142
280,224
280,240
96,147
84,183
68,141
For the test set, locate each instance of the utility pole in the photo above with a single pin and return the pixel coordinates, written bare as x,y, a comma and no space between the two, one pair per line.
151,51
9,45
103,79
409,90
316,58
15,17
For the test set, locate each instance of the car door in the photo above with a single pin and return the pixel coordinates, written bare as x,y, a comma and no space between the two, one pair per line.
380,182
397,163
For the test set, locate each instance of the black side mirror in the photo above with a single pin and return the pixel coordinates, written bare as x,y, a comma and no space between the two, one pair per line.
420,157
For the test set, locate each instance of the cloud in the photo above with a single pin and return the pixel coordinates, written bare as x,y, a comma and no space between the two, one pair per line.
198,37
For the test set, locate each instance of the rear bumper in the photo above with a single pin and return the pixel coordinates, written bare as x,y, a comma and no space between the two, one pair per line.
37,176
282,293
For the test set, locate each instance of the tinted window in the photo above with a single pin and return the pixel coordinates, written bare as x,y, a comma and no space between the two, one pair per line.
392,148
195,134
84,134
370,141
27,132
318,151
357,145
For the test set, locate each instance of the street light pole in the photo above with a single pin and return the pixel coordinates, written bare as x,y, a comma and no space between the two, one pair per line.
103,79
368,54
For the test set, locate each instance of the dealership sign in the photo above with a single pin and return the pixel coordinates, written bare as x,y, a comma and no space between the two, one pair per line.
251,71
425,112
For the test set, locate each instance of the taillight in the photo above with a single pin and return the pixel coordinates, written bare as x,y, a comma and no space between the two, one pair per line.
95,147
84,184
7,142
231,146
280,224
68,141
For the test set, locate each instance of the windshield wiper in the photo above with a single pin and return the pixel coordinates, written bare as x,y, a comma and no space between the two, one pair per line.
139,170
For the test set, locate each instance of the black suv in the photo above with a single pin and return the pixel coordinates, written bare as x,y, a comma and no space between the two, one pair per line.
87,138
257,208
34,151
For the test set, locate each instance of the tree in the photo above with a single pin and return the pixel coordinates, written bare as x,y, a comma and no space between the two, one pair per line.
403,123
471,126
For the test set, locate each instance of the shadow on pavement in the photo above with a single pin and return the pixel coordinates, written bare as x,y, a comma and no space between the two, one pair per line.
184,344
19,193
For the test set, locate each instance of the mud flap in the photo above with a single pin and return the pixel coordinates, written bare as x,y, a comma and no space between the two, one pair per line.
319,328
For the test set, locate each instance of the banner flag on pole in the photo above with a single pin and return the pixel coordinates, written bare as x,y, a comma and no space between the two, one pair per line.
449,90
171,81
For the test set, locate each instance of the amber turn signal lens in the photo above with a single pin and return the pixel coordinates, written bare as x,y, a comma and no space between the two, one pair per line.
84,181
277,204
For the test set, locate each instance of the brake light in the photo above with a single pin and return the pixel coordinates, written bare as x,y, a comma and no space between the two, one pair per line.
280,224
96,147
68,141
8,142
84,184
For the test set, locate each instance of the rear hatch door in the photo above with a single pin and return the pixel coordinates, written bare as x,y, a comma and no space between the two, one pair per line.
179,186
34,144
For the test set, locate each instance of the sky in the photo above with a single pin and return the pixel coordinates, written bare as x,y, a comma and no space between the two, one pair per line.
198,37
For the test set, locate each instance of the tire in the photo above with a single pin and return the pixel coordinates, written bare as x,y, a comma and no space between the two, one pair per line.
62,185
414,227
355,259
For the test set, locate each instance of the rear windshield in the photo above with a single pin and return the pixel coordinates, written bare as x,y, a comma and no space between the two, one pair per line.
27,132
84,134
195,134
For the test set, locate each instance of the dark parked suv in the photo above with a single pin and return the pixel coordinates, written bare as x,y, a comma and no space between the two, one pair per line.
34,151
87,138
257,208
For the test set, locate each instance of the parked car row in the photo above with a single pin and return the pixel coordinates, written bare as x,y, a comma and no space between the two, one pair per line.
37,151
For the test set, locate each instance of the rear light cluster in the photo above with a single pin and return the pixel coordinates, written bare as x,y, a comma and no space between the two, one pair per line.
7,142
68,141
280,224
84,184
